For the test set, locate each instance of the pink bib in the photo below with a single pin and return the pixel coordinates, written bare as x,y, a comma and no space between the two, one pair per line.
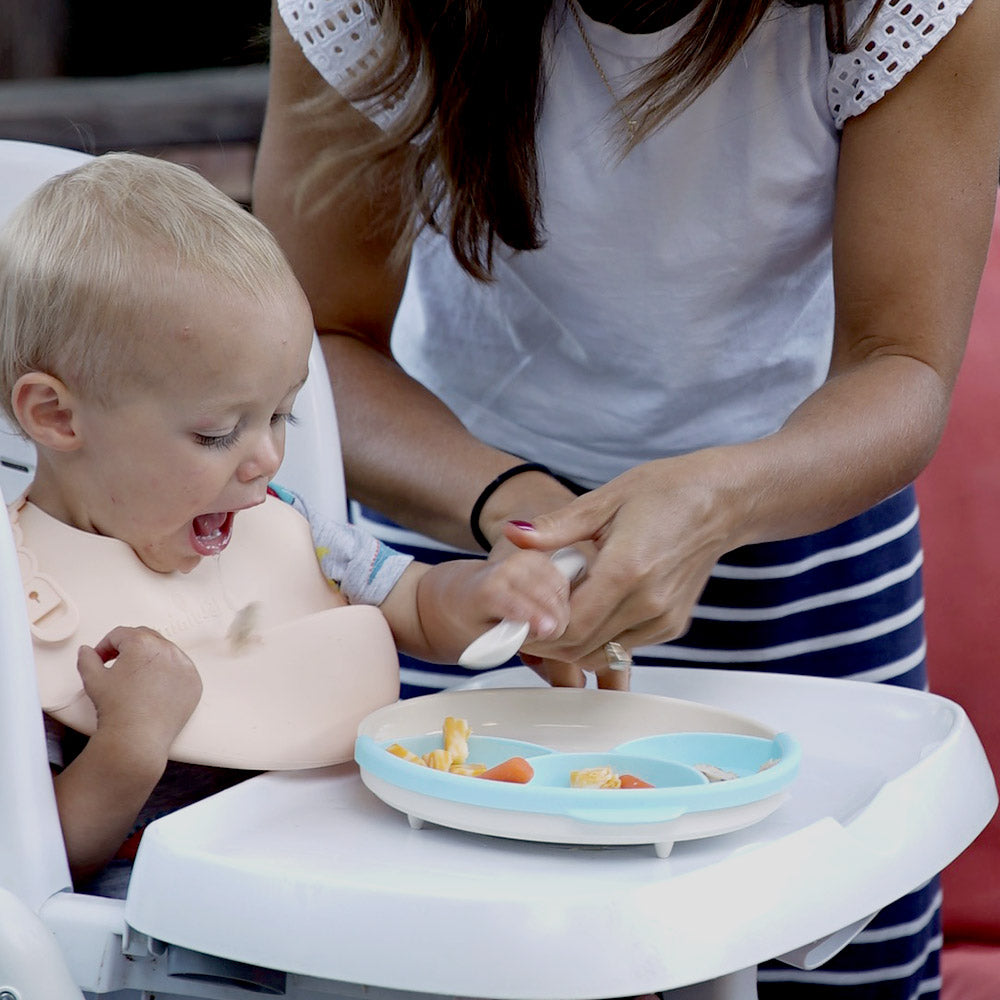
289,694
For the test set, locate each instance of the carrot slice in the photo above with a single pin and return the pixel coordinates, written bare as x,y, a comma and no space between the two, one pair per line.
631,781
516,770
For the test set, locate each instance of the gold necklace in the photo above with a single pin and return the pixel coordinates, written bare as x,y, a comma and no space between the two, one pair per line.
630,123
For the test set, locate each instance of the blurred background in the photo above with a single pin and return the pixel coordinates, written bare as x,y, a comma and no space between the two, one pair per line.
185,80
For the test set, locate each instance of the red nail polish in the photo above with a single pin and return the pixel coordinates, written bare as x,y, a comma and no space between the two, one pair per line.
523,525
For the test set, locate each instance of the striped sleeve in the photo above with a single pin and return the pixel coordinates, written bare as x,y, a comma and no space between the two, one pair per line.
363,567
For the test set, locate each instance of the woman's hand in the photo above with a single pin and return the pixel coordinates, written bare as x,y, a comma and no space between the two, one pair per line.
436,611
559,673
657,531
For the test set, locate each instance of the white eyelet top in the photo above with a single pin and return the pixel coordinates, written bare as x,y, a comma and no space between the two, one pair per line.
684,295
340,37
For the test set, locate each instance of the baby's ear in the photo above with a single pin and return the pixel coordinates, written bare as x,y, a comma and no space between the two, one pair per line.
44,409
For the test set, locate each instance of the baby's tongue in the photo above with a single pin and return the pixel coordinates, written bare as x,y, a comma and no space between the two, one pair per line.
209,524
210,533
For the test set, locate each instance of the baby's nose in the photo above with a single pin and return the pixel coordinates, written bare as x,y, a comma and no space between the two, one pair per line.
263,461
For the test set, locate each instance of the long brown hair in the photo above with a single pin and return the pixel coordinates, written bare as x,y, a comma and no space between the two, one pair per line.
472,74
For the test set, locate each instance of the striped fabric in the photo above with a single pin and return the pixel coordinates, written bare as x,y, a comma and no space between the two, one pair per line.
845,602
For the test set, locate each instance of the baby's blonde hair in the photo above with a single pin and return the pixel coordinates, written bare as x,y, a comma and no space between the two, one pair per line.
88,260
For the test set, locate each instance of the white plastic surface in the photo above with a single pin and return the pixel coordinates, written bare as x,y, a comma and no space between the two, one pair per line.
31,964
312,464
311,873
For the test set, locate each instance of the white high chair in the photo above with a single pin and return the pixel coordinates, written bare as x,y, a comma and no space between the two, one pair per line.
56,944
895,784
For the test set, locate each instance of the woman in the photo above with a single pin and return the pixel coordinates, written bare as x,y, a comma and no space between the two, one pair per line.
713,263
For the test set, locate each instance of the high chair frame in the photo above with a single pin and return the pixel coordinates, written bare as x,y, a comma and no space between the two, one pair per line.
904,786
56,944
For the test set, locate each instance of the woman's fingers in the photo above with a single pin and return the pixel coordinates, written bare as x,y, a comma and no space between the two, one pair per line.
556,673
656,532
584,519
611,679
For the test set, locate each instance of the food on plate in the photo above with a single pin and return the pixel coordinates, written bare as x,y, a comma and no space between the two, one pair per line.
456,738
714,773
515,770
605,777
398,750
453,756
439,760
468,770
631,781
595,777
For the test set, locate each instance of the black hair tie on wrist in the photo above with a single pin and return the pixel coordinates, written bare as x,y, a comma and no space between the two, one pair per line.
477,507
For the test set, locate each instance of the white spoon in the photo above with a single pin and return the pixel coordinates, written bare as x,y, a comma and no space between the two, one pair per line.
500,643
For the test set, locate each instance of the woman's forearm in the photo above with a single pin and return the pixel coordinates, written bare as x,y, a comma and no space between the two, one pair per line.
865,434
406,454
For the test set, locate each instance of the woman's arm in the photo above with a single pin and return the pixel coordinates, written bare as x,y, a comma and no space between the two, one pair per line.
916,191
915,197
405,452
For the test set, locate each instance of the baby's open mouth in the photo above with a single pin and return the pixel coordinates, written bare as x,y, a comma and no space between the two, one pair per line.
210,533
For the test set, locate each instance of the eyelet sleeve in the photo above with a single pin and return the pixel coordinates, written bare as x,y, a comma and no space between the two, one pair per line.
902,33
341,38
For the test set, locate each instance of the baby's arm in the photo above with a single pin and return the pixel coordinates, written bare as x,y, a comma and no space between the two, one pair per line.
143,700
436,611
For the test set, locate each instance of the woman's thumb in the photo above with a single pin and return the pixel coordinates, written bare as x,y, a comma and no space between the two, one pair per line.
581,520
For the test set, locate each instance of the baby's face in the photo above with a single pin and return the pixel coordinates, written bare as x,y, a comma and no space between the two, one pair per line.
197,438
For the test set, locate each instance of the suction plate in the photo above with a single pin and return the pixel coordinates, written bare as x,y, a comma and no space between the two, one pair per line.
663,741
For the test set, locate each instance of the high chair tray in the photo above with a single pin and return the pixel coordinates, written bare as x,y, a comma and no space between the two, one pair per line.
309,872
666,742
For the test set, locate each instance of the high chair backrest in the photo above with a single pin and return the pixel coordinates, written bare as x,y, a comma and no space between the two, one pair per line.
32,859
23,167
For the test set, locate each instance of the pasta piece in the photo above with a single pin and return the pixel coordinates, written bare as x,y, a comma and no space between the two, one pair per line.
594,777
456,738
469,770
398,750
439,760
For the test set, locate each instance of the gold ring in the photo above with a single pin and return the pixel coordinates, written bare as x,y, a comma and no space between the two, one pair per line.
619,658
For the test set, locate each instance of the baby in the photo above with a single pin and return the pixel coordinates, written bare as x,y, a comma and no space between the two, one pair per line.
152,343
